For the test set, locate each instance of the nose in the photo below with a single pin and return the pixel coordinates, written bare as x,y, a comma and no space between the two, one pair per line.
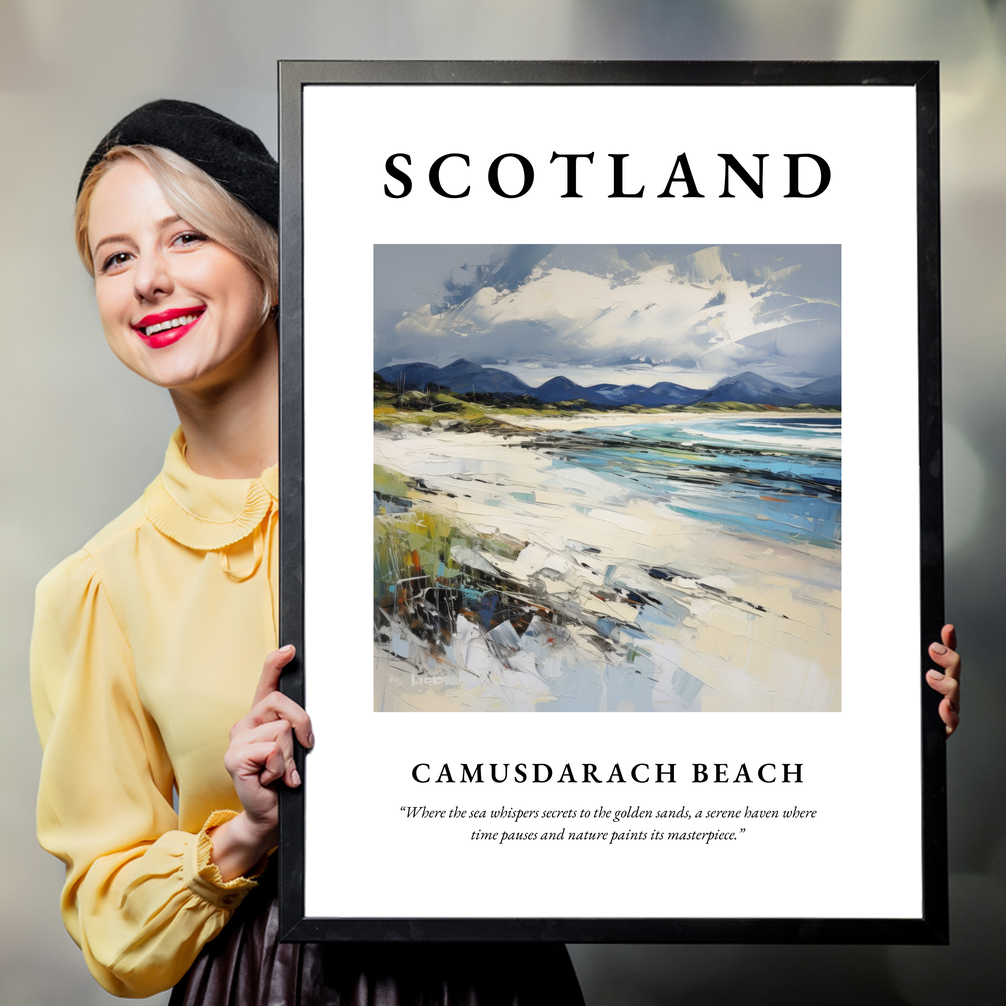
152,276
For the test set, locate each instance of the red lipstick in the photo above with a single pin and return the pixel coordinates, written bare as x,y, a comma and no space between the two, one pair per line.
165,332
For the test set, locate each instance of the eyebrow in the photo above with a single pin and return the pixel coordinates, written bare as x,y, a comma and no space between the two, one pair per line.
160,225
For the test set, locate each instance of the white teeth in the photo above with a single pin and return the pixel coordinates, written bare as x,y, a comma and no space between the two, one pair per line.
173,323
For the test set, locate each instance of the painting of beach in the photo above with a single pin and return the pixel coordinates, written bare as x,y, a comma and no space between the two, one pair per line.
607,478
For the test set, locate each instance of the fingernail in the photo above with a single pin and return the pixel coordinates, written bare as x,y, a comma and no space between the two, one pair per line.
938,648
310,740
295,777
287,649
936,675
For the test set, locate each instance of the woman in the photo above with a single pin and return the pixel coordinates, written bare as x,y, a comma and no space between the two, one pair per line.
148,643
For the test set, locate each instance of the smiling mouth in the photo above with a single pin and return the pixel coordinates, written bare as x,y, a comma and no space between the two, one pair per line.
167,327
167,321
185,319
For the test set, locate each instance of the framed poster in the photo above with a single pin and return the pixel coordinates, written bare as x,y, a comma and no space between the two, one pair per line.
611,501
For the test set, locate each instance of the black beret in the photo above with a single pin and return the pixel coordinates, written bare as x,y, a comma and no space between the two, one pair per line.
230,154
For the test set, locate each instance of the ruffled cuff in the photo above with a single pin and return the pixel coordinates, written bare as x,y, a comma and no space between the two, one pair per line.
203,878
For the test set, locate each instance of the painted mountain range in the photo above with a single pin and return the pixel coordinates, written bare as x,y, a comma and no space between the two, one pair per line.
463,376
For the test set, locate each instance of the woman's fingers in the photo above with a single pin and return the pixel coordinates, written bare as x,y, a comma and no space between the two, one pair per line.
949,688
949,636
277,735
947,680
274,766
261,749
277,706
271,670
950,716
947,658
270,703
261,760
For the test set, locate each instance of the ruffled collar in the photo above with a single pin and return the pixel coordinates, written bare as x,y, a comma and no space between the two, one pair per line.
203,513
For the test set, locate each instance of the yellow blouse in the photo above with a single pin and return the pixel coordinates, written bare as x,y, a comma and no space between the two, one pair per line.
147,647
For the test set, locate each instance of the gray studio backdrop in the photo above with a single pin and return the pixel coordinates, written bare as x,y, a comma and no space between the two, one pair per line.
82,436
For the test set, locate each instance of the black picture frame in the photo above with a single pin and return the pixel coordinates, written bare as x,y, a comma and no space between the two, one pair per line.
932,926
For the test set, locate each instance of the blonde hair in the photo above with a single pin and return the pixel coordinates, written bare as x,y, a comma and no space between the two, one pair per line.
199,200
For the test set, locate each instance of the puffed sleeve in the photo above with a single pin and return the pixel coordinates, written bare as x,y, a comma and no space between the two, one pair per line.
141,898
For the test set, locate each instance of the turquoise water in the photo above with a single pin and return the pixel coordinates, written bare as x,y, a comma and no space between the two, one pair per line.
777,477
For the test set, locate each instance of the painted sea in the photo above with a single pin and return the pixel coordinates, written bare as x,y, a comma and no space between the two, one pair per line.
768,475
609,562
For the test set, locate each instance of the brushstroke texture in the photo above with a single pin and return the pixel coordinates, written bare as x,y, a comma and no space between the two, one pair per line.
618,546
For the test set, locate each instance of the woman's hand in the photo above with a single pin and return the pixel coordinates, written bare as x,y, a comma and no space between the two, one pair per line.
948,681
260,753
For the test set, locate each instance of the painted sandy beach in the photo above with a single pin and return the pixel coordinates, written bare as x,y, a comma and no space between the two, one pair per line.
615,600
631,544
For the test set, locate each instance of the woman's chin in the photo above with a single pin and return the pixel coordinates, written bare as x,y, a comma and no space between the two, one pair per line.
173,374
196,365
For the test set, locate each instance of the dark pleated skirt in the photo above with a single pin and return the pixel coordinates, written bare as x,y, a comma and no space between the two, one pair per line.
246,965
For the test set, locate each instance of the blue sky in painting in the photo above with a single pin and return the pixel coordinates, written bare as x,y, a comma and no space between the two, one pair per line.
622,314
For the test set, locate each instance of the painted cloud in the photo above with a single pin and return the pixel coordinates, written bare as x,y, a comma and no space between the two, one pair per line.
692,314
